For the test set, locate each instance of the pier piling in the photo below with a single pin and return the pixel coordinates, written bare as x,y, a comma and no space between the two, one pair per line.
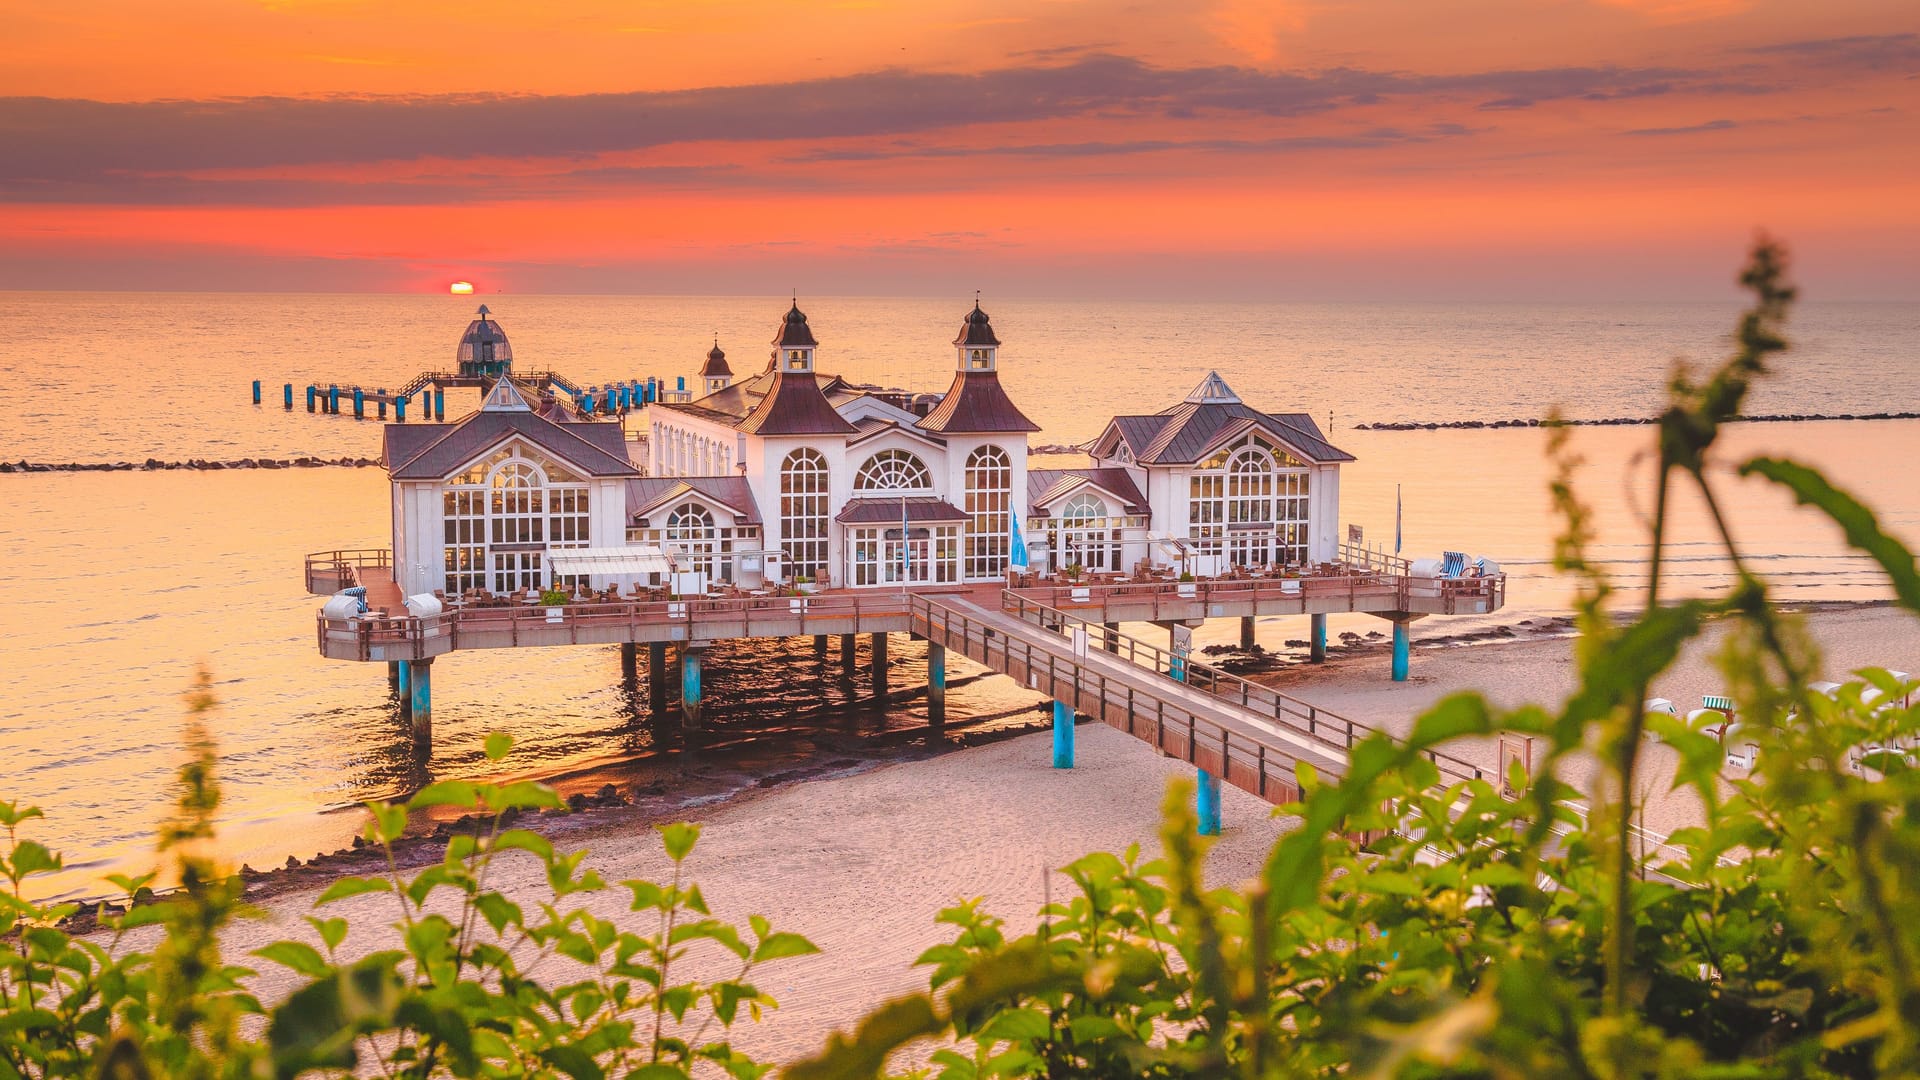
403,686
1206,803
629,662
439,404
333,398
256,391
820,647
1402,648
421,680
657,677
312,393
288,392
400,408
1062,736
848,643
1317,639
1110,637
690,657
936,682
380,402
1246,633
880,666
359,404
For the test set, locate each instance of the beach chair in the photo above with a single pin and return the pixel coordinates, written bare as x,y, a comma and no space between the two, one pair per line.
1659,705
1741,751
1713,716
1453,564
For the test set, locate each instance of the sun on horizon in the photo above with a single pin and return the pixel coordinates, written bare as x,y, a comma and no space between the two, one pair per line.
461,288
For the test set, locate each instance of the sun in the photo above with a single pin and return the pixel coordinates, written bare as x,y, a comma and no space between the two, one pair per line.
461,288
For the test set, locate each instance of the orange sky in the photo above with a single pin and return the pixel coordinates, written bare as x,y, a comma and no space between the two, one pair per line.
1376,149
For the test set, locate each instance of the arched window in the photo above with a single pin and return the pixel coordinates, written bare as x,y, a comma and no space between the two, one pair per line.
989,479
1250,501
691,536
1083,536
803,512
893,470
502,513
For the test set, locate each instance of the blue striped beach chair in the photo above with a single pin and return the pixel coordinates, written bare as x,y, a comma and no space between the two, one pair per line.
1453,563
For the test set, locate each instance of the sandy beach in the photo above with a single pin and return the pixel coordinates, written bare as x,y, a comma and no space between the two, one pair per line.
861,863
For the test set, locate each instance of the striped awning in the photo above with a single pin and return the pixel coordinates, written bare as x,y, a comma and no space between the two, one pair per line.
1715,701
618,562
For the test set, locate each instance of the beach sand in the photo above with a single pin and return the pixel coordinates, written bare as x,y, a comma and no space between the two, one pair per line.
861,863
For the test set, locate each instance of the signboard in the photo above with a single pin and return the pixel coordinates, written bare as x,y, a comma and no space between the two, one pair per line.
1182,649
1356,535
1080,640
1516,752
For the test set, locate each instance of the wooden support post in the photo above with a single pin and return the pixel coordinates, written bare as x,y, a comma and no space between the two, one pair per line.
1246,633
393,675
420,680
936,684
1317,639
1111,638
1206,804
848,643
1062,736
879,665
820,647
657,676
629,662
1402,648
690,657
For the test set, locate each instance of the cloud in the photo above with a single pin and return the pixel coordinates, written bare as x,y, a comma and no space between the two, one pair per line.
1376,139
91,142
1691,129
1872,52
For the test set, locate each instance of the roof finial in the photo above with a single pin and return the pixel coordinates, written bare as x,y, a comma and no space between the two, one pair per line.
976,299
484,313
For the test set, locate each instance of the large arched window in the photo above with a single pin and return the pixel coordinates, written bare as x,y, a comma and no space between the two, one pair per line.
803,512
1250,501
893,470
501,515
690,535
989,479
1083,535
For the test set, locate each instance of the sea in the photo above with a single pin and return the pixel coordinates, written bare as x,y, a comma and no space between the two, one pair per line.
118,586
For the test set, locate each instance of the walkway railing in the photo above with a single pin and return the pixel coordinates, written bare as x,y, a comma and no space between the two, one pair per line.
406,637
328,572
1354,590
1329,729
1155,710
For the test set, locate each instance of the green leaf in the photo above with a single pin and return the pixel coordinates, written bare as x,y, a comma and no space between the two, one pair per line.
389,820
331,931
1858,523
499,744
1016,1025
781,945
316,1026
445,793
352,886
524,840
297,955
30,857
578,1064
679,838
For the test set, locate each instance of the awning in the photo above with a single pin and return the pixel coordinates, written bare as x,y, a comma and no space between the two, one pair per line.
884,511
633,561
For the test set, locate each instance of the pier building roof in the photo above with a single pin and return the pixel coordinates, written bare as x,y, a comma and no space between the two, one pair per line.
884,511
794,405
649,494
716,364
794,333
437,451
1211,415
1048,486
976,329
975,403
484,342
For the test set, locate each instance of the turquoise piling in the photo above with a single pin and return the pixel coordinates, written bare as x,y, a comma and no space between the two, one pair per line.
1062,736
1206,803
400,408
333,398
420,682
936,682
359,404
1402,648
1317,639
381,401
657,677
312,393
403,686
256,391
287,391
439,404
690,687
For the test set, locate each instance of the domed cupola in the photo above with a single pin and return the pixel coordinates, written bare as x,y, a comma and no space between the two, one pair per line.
976,403
976,342
715,375
484,352
793,345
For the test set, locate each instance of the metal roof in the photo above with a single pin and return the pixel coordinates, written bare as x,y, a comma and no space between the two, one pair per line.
1185,433
888,511
794,406
793,332
975,329
651,493
976,404
585,446
1047,486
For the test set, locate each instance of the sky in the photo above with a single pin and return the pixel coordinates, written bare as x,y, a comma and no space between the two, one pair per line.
1383,150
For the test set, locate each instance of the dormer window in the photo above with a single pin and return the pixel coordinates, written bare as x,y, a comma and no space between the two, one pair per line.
979,359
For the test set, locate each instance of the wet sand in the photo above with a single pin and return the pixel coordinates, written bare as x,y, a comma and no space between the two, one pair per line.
861,859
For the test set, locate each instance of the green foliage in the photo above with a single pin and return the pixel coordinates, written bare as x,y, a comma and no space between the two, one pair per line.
554,597
446,989
1410,929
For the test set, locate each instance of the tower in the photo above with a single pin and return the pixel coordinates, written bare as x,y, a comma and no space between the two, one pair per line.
793,346
715,375
484,352
977,343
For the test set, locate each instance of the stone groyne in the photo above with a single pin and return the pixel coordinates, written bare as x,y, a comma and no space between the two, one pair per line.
199,464
1617,421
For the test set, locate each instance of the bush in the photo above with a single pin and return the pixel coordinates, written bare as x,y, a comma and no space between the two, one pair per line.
554,597
448,995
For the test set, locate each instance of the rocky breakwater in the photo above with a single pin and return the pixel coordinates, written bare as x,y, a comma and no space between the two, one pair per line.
200,464
1618,421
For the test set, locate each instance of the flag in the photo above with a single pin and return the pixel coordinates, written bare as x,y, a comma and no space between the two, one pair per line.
1017,546
906,553
1396,519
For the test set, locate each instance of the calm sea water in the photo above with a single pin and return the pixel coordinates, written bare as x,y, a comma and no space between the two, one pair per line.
120,583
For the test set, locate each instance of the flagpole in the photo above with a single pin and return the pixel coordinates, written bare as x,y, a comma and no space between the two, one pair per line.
1398,515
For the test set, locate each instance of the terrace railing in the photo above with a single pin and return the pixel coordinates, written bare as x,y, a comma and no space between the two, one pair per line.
328,572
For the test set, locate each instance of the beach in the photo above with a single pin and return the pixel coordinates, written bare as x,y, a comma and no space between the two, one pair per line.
860,861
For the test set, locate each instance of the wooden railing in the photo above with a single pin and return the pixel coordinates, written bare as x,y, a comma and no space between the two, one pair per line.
1350,589
1151,709
328,572
1329,729
376,637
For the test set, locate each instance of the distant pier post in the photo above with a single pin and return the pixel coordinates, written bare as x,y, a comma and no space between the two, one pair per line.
256,391
421,680
1246,633
288,392
380,401
1317,640
657,677
1062,736
333,398
312,393
936,683
848,643
880,665
820,647
629,662
1206,803
439,404
359,404
400,408
1402,648
690,657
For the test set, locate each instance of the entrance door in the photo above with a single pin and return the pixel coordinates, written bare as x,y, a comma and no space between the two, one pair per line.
515,570
907,559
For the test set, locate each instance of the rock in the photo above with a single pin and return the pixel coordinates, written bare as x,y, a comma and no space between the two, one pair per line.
608,795
577,801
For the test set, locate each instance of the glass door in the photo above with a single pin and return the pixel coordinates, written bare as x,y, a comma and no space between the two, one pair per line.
515,570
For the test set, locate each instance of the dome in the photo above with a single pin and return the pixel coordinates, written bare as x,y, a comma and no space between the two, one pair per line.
794,333
975,330
716,365
484,343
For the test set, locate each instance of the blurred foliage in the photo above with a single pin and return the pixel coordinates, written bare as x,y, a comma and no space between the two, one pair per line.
1406,929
